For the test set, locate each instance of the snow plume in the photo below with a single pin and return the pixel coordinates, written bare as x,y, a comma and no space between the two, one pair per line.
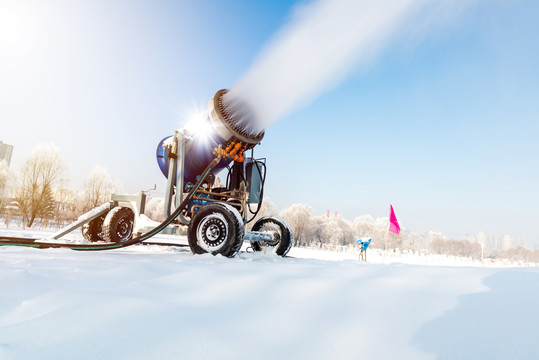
321,44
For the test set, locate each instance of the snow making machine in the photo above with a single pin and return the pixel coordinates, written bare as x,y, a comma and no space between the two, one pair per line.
215,214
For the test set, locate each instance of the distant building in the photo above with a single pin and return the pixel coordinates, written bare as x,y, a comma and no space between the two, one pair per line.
5,152
519,242
507,242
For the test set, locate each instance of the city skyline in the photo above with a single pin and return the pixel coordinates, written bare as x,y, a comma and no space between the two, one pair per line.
6,152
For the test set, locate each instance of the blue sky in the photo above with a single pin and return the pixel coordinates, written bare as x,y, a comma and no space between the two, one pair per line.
442,123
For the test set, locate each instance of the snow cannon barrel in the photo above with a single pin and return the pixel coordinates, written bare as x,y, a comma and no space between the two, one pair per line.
225,126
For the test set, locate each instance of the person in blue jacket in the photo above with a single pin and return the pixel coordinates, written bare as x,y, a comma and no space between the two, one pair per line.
363,244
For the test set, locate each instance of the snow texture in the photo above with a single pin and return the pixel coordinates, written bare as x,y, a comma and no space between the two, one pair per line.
156,302
144,222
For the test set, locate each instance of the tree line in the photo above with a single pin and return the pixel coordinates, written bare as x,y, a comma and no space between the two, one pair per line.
336,232
38,191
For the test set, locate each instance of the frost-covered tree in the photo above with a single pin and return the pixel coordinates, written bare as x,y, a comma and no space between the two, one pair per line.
155,209
98,188
326,232
415,242
319,233
381,238
267,208
67,206
299,217
363,225
39,174
348,236
461,248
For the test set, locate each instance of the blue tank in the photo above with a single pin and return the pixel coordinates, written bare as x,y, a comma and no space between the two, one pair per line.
221,127
197,157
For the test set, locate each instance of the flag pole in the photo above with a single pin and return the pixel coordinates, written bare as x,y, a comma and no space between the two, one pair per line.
385,247
394,227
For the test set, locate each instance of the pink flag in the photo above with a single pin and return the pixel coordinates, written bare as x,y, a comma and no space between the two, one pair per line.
393,223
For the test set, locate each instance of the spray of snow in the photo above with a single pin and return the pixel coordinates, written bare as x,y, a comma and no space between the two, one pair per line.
322,43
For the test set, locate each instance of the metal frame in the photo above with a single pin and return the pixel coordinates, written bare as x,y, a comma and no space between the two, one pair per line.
83,219
173,199
176,158
175,172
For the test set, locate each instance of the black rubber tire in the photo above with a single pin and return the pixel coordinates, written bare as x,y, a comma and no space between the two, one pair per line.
281,230
93,230
118,225
217,229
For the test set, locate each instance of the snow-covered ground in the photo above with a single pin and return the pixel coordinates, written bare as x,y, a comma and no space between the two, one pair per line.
157,302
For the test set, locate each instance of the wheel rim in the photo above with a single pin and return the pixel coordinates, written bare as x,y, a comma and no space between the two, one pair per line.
124,228
212,232
270,226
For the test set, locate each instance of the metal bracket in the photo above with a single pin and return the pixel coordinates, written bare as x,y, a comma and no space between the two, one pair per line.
85,218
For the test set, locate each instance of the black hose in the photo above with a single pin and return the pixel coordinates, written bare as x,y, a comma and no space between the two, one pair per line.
261,193
13,241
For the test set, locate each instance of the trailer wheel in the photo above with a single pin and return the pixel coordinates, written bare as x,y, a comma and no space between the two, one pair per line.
118,225
93,230
281,231
217,229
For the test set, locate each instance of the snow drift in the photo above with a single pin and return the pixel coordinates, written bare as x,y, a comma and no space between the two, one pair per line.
153,302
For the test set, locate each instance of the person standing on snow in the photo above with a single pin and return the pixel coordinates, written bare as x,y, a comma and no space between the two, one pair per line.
363,244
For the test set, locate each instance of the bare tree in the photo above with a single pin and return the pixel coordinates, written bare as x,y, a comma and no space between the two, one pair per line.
521,254
67,206
39,174
98,188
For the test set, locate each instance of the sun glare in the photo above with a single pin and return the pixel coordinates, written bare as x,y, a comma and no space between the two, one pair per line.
17,30
198,125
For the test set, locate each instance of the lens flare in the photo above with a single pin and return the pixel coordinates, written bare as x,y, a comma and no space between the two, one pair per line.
197,125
